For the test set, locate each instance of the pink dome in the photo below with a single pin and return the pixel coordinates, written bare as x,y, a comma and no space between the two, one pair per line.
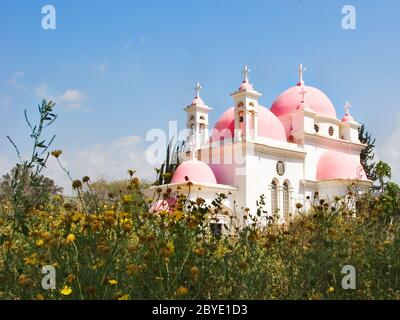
269,126
246,86
196,171
347,117
198,101
289,100
339,165
167,204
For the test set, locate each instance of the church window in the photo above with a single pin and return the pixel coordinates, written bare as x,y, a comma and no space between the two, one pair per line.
274,197
216,229
331,131
280,168
201,127
286,201
316,127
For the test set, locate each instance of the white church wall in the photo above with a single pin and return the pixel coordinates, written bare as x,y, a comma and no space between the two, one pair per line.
260,173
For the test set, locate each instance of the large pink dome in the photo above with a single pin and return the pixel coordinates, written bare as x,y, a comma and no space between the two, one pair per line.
339,165
288,101
195,171
269,126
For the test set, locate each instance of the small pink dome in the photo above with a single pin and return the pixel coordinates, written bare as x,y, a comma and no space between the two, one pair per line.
246,86
339,165
347,117
196,171
198,101
269,126
167,204
289,100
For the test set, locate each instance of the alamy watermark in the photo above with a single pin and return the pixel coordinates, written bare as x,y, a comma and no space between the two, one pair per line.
349,280
349,17
49,280
49,18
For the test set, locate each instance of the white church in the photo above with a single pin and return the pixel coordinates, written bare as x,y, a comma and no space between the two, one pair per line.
286,153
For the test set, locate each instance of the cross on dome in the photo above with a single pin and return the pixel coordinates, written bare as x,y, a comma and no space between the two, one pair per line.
347,107
302,93
246,72
301,71
197,89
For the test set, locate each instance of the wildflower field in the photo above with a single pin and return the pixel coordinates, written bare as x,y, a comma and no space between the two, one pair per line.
117,250
105,244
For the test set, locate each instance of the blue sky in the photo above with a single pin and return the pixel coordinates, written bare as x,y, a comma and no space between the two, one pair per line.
117,69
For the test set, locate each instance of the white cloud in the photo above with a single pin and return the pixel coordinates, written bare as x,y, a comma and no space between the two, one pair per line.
102,160
72,95
42,91
390,151
14,81
72,99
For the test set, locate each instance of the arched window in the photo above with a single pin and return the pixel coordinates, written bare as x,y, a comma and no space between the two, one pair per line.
286,201
274,197
201,127
202,118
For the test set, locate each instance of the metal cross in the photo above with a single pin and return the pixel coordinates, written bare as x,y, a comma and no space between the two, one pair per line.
347,107
246,72
197,89
301,71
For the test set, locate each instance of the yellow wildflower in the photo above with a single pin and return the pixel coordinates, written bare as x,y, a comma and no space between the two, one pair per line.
66,291
194,270
31,260
182,291
124,297
56,153
71,237
127,198
178,215
199,252
132,269
113,282
39,242
57,198
330,289
22,279
70,278
47,236
170,248
39,297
